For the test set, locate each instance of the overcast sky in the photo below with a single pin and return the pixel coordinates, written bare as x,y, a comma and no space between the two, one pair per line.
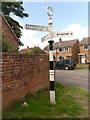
68,16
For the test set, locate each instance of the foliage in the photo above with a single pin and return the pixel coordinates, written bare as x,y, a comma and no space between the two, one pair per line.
6,47
17,9
71,102
35,51
15,26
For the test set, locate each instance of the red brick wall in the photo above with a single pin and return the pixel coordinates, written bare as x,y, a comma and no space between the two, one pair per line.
23,74
10,38
75,51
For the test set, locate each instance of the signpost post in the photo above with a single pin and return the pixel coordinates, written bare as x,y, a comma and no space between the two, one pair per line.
51,69
49,36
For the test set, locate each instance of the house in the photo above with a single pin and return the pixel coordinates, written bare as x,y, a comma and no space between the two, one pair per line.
65,49
84,51
9,34
24,50
68,49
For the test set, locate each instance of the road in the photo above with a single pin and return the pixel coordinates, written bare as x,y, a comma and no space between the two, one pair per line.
78,78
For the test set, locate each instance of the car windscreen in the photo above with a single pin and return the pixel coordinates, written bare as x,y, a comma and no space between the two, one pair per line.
66,61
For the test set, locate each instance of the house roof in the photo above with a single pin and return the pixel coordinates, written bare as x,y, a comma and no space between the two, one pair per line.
85,41
68,43
20,43
54,46
24,50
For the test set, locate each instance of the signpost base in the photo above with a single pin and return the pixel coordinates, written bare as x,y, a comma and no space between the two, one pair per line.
52,97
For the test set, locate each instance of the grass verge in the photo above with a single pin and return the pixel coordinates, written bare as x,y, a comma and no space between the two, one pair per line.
71,102
82,67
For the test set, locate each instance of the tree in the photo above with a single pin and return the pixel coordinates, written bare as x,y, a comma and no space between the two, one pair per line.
35,51
17,9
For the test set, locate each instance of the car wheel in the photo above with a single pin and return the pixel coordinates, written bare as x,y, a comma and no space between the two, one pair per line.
66,68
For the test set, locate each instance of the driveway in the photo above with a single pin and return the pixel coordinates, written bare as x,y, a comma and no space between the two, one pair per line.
78,78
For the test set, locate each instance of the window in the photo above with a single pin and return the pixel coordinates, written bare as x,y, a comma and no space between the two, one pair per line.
66,61
85,47
61,49
57,50
58,58
47,51
66,49
61,58
54,51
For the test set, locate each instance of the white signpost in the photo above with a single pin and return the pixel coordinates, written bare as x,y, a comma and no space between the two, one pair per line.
37,28
49,37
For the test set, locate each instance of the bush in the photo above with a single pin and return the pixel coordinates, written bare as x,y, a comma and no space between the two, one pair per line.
35,51
6,47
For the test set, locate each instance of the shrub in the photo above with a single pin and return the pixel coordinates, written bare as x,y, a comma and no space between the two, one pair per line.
6,47
35,51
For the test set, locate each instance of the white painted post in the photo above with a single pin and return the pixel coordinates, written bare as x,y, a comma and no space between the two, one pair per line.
51,70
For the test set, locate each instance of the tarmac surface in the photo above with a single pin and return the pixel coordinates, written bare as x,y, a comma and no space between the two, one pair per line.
77,78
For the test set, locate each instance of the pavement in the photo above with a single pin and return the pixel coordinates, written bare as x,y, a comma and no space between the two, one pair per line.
77,78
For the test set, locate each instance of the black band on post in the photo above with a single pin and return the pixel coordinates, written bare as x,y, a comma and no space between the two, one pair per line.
52,87
51,65
51,45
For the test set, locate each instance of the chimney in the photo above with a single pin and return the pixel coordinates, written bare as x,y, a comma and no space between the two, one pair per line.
60,40
27,47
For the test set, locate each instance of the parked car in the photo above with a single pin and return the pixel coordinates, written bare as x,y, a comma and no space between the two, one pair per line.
66,64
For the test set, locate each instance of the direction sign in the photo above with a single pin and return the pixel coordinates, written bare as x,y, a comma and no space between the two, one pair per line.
59,34
37,27
45,38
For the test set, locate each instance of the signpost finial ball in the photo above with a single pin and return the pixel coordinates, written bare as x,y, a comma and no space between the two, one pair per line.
49,8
